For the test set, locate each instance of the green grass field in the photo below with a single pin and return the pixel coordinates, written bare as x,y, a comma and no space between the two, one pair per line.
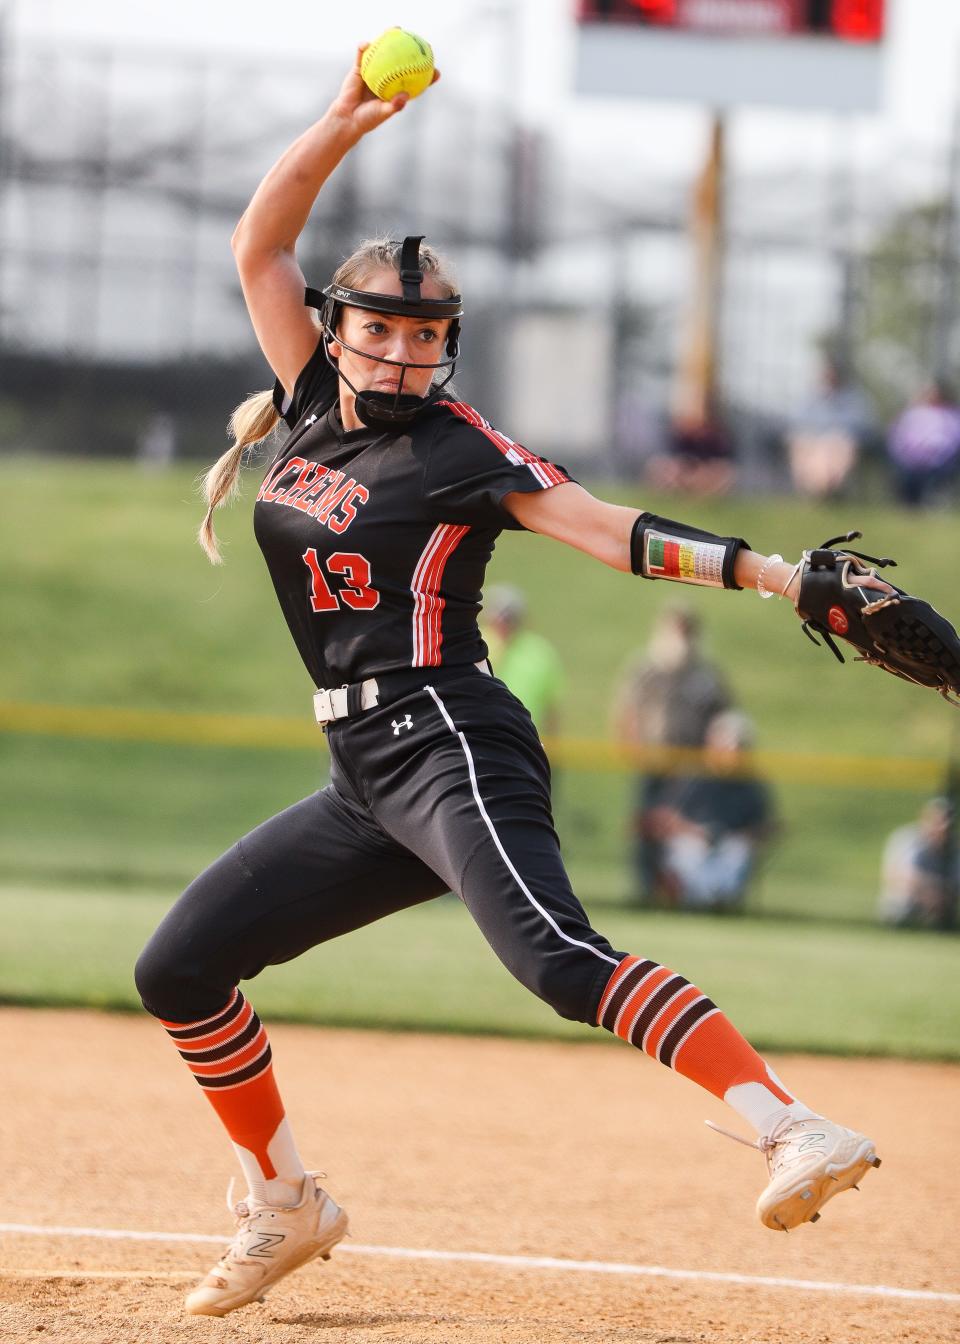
109,602
818,988
147,813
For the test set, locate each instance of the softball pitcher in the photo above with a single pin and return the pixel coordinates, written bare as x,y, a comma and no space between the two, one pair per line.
376,519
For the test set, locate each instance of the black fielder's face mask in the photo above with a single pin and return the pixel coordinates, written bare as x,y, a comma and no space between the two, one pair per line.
387,410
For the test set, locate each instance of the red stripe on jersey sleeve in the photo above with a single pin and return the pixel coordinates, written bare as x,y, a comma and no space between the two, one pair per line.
546,473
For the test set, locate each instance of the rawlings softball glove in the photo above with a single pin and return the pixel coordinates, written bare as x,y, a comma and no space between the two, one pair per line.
900,633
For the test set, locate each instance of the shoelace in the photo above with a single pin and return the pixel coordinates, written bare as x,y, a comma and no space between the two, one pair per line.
241,1212
765,1144
242,1209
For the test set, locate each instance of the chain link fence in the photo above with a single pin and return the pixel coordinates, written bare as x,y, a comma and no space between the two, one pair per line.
124,171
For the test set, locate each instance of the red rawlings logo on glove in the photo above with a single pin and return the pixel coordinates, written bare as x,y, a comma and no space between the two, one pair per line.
838,621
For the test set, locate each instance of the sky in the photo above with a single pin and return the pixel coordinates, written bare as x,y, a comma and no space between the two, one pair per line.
523,50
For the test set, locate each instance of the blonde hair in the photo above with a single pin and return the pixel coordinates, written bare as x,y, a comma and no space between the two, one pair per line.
377,254
256,418
252,421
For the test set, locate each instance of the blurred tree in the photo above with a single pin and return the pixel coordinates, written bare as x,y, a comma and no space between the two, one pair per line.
906,328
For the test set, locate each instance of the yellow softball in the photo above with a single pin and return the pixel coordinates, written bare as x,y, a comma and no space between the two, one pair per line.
397,62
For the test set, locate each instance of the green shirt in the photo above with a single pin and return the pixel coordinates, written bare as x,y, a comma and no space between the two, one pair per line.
531,667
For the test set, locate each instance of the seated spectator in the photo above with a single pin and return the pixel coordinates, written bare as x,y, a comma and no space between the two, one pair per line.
666,698
924,445
826,438
712,827
698,460
921,871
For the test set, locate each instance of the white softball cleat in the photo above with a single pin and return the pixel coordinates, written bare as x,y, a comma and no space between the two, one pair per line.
270,1242
809,1162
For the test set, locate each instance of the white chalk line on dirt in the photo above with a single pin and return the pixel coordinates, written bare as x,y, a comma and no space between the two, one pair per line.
511,1262
141,1275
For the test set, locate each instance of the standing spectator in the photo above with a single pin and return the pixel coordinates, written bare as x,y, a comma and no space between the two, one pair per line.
924,445
712,826
921,870
524,660
667,698
825,440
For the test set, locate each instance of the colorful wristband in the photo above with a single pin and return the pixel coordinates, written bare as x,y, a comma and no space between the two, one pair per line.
661,548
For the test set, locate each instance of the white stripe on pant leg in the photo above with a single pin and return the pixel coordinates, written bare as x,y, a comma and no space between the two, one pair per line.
575,942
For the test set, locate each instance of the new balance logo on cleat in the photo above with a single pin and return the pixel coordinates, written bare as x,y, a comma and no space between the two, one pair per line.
811,1141
809,1162
266,1244
405,722
256,1258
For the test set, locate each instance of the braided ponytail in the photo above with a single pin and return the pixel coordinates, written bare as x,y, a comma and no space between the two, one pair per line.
254,420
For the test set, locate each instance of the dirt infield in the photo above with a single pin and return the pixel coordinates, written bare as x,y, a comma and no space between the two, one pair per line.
513,1148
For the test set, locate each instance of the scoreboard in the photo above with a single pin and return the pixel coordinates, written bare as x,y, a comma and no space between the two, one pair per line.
848,20
814,55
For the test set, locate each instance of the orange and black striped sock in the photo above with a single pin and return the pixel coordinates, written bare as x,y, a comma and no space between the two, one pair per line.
230,1057
660,1012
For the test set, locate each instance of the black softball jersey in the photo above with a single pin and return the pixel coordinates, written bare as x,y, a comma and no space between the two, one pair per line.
377,543
377,540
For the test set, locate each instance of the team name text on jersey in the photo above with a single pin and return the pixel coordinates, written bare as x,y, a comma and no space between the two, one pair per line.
329,496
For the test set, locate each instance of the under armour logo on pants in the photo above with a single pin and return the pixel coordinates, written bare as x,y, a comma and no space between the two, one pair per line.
405,722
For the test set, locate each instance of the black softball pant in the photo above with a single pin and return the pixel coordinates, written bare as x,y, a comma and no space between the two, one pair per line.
446,787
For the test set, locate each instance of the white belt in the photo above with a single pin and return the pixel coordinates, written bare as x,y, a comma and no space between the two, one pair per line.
329,705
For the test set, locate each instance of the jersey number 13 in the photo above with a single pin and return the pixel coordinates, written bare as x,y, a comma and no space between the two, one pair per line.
356,593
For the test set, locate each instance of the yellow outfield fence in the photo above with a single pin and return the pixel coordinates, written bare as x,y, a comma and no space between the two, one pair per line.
265,731
159,726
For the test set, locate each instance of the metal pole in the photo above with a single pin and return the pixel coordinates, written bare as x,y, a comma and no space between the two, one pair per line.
947,259
6,155
697,371
92,150
508,18
842,231
194,213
